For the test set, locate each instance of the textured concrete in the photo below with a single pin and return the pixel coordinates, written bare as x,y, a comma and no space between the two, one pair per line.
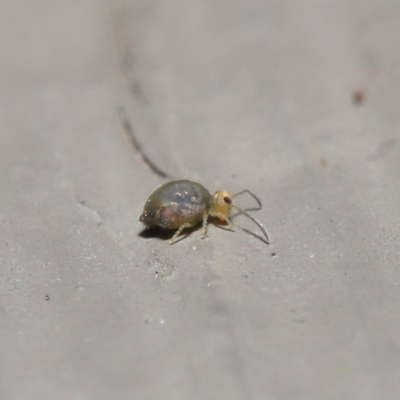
297,101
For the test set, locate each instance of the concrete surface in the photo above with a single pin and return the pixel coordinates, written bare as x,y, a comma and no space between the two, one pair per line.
297,101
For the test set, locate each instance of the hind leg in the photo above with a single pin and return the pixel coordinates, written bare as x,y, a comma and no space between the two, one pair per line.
180,229
204,228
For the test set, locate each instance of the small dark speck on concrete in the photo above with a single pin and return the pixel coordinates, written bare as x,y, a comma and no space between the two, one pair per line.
47,297
359,97
273,254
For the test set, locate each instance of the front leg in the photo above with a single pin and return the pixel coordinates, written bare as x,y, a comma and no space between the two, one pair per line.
224,218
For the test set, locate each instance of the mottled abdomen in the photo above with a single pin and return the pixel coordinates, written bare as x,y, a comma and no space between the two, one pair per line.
176,203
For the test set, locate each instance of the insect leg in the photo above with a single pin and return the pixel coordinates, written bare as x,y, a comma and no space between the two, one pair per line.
180,229
224,218
204,228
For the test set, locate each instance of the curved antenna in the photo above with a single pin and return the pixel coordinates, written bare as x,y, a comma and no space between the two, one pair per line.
253,196
258,223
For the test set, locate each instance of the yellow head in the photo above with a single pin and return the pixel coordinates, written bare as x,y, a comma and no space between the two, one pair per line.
221,203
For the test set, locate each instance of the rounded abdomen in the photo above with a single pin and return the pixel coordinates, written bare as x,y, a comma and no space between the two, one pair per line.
176,203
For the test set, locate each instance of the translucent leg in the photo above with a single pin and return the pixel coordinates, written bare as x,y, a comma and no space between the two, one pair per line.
178,232
204,228
224,218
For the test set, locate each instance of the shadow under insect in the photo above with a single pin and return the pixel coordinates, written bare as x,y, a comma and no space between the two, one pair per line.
156,232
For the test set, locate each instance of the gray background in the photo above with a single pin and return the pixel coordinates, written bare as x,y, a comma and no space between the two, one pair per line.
233,94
